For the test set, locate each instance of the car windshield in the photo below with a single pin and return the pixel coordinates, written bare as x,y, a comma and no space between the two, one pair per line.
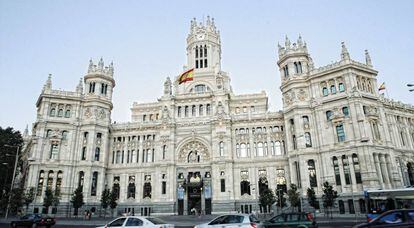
253,219
279,218
156,221
218,220
118,222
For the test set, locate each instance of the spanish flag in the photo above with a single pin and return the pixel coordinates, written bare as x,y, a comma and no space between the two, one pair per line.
382,87
186,76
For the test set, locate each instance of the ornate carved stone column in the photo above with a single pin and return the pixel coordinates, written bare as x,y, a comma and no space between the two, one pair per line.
384,170
378,169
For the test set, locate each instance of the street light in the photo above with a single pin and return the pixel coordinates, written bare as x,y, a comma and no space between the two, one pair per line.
14,174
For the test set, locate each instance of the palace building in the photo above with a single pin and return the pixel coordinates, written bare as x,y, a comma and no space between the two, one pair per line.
202,147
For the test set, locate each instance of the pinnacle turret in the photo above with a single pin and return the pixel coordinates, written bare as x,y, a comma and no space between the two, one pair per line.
344,53
79,87
48,84
368,59
289,48
101,68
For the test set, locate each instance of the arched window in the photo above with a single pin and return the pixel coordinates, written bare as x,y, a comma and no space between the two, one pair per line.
272,147
259,149
40,183
52,112
340,132
186,111
295,145
179,111
81,179
221,149
341,87
208,111
286,71
205,51
308,139
60,113
325,91
329,114
341,207
67,113
196,52
243,150
333,89
200,110
300,67
164,151
347,173
54,150
83,155
245,187
58,183
131,187
345,111
336,171
147,190
116,187
50,176
64,135
94,184
278,150
410,172
296,67
312,173
97,152
357,169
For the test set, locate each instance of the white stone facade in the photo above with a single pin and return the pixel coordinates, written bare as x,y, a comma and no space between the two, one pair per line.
202,146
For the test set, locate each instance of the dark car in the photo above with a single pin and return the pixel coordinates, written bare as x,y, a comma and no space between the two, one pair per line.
393,218
33,220
294,219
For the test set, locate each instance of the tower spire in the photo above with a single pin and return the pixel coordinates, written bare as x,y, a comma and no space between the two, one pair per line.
287,42
368,59
79,87
344,52
48,84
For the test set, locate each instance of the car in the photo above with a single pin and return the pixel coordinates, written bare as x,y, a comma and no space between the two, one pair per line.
392,218
294,219
137,221
33,220
232,220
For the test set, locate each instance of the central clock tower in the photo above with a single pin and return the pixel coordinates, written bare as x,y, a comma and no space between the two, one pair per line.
204,47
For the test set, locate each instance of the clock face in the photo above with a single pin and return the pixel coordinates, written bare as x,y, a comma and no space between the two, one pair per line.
200,36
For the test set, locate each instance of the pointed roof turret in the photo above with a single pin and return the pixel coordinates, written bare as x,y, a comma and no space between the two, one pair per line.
287,42
48,84
79,87
344,53
368,59
26,131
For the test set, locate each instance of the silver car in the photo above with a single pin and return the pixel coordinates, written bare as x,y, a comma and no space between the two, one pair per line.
137,221
232,220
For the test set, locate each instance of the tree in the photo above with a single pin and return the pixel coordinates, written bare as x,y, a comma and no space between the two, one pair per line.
77,199
10,140
267,198
293,196
311,197
329,195
48,200
16,200
112,201
29,197
280,198
105,199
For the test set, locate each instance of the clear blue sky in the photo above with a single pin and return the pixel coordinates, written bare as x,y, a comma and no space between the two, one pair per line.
146,41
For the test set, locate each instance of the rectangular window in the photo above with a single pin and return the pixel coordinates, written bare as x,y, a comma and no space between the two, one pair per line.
340,133
164,188
222,185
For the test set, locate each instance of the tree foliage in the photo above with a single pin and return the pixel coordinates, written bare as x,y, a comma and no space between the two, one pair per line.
329,196
77,199
105,199
311,197
112,200
267,198
10,139
29,197
293,196
16,200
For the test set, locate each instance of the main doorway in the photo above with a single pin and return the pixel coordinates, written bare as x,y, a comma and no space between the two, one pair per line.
194,200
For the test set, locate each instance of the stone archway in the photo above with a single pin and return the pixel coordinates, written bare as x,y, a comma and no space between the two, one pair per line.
193,152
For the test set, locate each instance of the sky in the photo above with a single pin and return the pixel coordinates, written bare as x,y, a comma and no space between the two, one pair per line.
146,40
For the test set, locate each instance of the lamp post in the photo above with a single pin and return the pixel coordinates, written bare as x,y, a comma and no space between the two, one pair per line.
410,85
14,175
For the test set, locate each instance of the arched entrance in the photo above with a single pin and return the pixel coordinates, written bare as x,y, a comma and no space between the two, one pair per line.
193,179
